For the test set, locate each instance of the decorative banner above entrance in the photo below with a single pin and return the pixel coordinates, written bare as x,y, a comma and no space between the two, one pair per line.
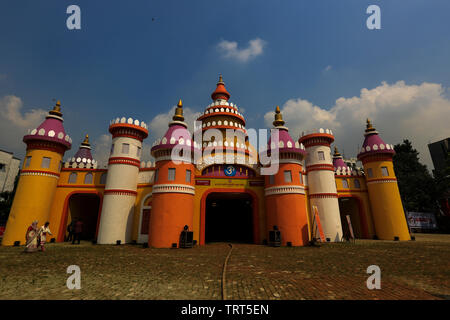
230,171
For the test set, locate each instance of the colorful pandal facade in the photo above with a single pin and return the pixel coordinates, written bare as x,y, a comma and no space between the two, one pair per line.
220,195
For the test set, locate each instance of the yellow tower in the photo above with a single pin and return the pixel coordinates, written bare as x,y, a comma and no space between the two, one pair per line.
46,146
385,201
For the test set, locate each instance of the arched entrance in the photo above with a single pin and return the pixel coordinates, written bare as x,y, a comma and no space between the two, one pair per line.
352,207
229,216
84,206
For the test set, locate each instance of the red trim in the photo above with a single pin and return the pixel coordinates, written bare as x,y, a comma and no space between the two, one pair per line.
351,190
41,171
140,131
362,214
242,190
326,144
63,223
323,166
47,145
314,139
212,114
323,195
83,169
223,127
125,160
375,158
120,192
148,169
102,186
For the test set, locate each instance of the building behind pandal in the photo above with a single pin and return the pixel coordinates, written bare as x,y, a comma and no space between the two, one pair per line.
221,196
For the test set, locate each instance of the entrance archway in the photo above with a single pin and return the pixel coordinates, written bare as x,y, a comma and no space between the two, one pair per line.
352,207
84,206
229,215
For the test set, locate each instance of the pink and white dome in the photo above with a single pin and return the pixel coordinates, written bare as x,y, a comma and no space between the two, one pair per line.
51,129
373,144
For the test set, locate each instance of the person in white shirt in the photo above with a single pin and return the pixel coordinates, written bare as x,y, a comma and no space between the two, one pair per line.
43,235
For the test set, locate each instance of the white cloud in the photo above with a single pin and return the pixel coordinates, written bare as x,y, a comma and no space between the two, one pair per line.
420,113
14,124
327,68
230,49
101,148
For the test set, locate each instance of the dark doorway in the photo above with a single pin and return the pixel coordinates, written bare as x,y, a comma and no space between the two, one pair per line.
350,206
85,206
229,217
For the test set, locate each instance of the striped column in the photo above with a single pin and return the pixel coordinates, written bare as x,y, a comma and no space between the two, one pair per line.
116,219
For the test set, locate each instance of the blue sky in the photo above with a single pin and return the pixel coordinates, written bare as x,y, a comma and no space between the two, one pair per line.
123,63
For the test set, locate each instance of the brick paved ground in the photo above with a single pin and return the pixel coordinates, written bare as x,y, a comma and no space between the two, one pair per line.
409,270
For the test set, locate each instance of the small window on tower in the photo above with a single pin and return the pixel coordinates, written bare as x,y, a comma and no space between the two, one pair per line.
103,178
384,171
27,162
287,176
138,153
125,148
155,177
301,177
188,176
112,148
357,184
171,176
272,179
345,183
370,172
88,178
321,155
73,178
2,167
45,163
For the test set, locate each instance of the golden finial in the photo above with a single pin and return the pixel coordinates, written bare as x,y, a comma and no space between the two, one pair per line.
220,78
278,118
86,141
369,126
178,112
56,109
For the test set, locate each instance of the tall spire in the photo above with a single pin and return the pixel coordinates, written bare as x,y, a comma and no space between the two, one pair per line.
86,141
279,122
369,128
56,109
220,92
178,112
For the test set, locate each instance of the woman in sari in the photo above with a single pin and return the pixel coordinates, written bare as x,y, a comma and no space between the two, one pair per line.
32,238
43,235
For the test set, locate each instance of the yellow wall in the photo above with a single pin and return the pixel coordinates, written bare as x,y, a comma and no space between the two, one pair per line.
361,194
385,201
65,190
34,196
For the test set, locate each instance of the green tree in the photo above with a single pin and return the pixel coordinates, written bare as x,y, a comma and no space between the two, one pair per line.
417,187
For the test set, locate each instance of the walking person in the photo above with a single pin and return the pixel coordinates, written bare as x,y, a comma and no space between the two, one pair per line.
31,237
78,229
70,229
43,235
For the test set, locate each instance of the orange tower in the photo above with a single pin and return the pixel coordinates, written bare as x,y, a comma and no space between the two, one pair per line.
284,190
173,190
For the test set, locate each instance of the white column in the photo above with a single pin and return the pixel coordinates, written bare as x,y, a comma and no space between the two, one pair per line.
323,182
116,220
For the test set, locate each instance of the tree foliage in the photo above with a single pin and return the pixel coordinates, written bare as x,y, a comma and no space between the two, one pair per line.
418,189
